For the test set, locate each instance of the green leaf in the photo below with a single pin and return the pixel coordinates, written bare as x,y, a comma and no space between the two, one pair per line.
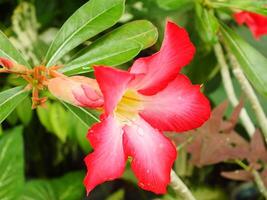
173,4
11,164
80,134
24,111
38,190
118,195
248,5
7,50
59,119
252,62
9,99
87,117
44,117
89,20
114,48
207,24
67,187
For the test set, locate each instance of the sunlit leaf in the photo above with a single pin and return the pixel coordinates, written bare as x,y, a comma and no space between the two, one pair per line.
248,5
89,20
87,117
114,48
9,99
7,50
173,4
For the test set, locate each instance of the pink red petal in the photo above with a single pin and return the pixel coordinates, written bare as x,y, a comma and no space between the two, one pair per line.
162,67
107,162
77,90
256,23
178,107
6,63
113,83
152,155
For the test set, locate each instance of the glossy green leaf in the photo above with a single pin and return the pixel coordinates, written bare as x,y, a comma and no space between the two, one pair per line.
248,5
11,164
9,100
7,50
87,117
116,47
89,20
67,187
173,4
252,62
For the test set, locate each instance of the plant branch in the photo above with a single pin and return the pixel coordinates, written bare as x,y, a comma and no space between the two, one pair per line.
228,86
256,176
249,92
180,188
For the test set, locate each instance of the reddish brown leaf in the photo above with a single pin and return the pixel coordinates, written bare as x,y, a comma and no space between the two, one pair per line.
257,148
238,175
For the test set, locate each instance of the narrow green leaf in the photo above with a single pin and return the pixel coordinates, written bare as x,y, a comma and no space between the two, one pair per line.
9,100
173,4
7,50
87,117
247,5
252,62
89,20
11,164
114,48
207,24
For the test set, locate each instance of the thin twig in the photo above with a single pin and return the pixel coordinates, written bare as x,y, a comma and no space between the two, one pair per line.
256,176
249,92
180,188
228,86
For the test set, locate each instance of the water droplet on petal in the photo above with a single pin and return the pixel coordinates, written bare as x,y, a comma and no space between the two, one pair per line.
148,171
140,131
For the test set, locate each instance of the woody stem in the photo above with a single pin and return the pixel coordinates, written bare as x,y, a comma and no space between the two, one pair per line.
229,89
249,92
180,188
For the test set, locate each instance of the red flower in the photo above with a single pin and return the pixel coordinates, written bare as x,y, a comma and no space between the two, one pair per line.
256,23
152,97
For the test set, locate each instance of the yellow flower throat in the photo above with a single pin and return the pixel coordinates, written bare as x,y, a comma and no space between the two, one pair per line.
128,107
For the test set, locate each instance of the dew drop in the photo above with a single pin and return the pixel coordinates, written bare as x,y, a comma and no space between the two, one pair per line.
148,171
140,131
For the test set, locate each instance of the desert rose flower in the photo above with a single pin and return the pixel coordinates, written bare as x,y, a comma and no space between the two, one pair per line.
138,105
256,23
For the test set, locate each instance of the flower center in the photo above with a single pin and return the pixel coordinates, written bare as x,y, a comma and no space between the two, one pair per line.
128,107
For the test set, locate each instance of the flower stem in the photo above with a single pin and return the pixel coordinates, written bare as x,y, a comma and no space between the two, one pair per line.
249,92
256,176
228,86
180,188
